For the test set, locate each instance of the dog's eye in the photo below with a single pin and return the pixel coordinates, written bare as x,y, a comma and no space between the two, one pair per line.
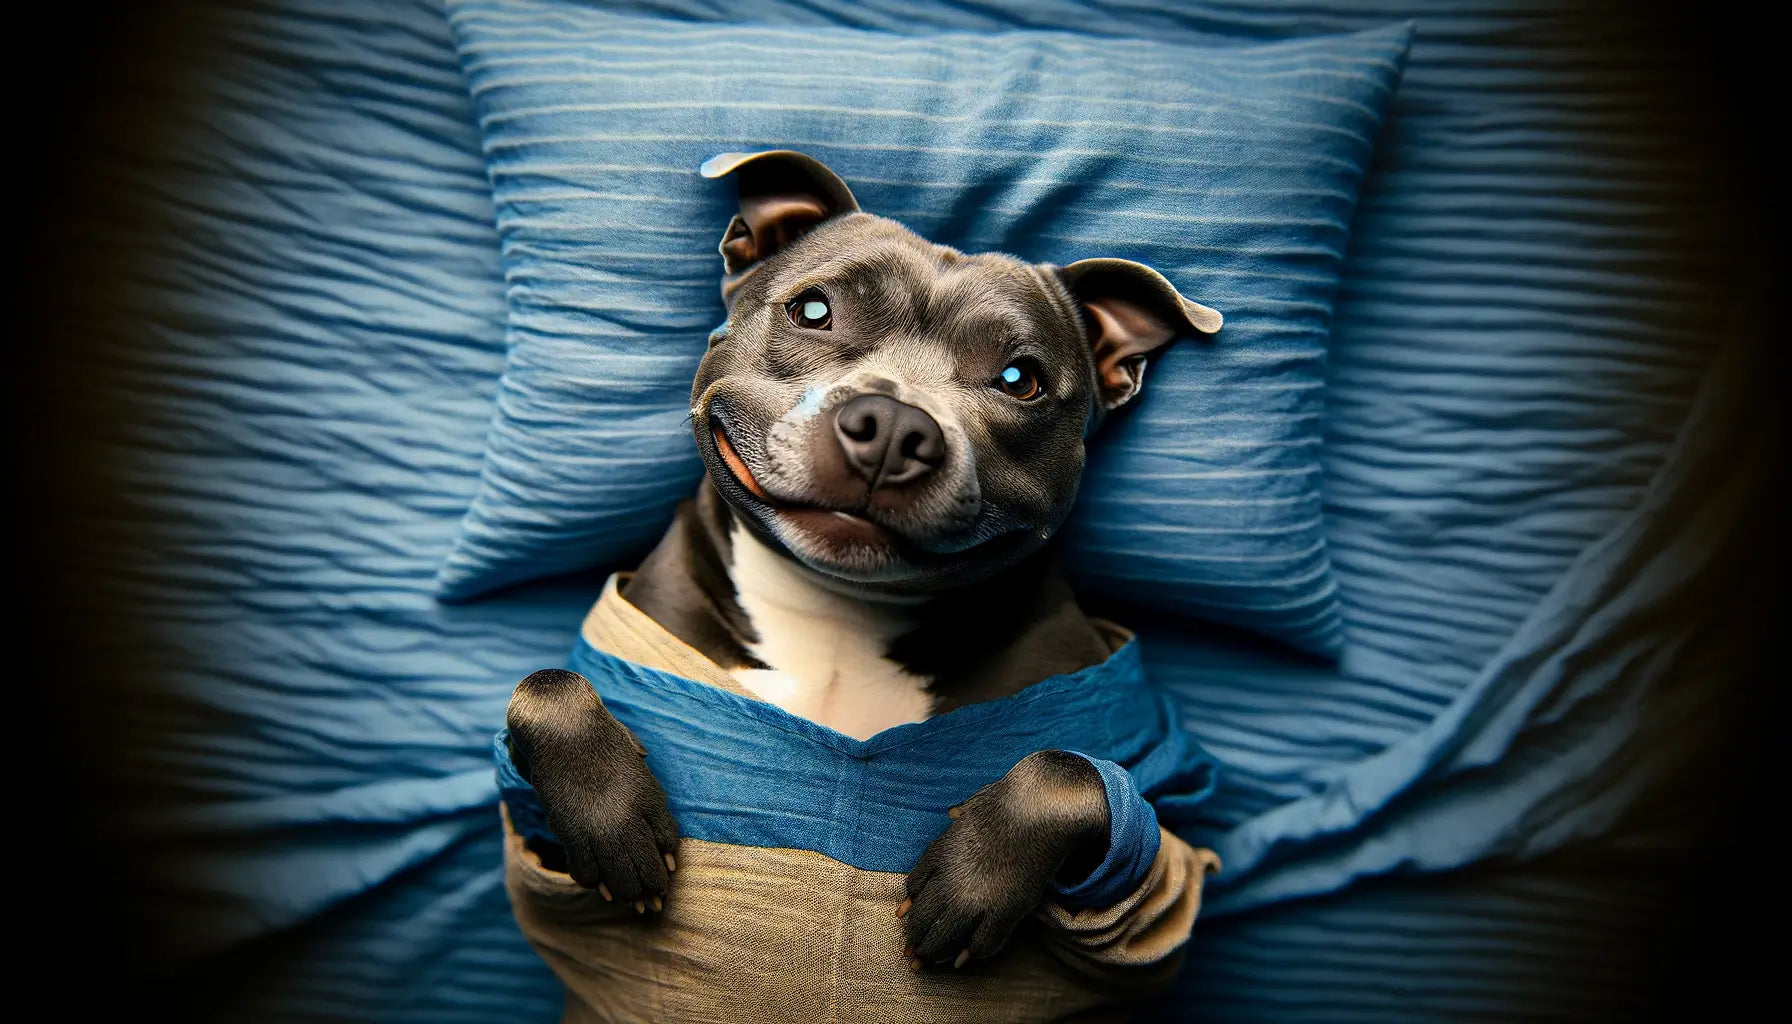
1019,379
811,310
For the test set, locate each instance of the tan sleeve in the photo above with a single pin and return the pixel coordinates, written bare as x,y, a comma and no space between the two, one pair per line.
1138,940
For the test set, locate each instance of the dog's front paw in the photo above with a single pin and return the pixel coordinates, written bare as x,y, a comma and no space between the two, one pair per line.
619,836
1046,819
602,802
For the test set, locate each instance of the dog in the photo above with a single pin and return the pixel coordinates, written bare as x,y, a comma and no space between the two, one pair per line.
893,433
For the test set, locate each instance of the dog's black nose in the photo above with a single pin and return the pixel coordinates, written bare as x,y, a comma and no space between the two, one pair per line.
888,443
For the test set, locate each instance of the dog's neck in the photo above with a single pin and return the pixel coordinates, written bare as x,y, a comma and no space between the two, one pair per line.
827,653
856,664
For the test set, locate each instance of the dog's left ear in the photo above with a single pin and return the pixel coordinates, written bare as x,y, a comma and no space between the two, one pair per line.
783,194
1129,312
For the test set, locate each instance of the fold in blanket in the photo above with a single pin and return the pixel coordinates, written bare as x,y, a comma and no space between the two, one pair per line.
1603,694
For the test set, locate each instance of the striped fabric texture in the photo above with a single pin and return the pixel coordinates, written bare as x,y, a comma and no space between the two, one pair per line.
1234,172
304,319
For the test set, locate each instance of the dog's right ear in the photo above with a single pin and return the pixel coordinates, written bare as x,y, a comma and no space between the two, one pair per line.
783,194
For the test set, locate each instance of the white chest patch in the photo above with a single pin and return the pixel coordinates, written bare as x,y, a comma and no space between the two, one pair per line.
826,650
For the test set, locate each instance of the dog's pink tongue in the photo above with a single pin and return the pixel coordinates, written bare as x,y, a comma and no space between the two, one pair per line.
738,467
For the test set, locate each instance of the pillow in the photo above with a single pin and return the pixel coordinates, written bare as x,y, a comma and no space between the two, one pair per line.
1232,171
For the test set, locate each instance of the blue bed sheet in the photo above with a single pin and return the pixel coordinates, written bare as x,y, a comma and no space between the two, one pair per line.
312,335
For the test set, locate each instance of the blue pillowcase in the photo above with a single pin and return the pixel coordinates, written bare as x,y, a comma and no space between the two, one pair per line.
1232,170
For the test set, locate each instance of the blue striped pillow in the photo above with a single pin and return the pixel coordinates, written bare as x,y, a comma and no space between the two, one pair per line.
1232,170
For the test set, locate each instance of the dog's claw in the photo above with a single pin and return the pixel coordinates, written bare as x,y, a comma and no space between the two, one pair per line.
914,963
964,956
954,813
671,863
604,891
906,904
640,906
658,904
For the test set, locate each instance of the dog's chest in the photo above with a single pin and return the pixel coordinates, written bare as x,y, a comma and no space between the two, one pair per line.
826,651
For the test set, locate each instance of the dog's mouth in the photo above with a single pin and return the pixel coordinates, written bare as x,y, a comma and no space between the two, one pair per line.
841,536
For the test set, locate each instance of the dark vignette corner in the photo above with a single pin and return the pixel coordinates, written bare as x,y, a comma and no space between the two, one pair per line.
74,95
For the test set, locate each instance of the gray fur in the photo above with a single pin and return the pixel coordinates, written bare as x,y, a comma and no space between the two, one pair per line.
931,327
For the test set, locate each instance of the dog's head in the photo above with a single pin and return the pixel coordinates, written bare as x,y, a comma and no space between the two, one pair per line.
896,415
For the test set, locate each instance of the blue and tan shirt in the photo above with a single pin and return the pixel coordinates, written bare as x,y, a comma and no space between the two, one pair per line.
796,841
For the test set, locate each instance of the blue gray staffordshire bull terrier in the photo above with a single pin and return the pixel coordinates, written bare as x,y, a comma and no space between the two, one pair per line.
894,432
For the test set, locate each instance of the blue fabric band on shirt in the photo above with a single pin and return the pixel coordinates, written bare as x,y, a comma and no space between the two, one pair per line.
526,814
748,773
1132,842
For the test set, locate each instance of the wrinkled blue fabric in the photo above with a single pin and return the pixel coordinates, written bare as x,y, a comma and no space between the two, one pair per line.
1232,171
1132,842
749,773
311,331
